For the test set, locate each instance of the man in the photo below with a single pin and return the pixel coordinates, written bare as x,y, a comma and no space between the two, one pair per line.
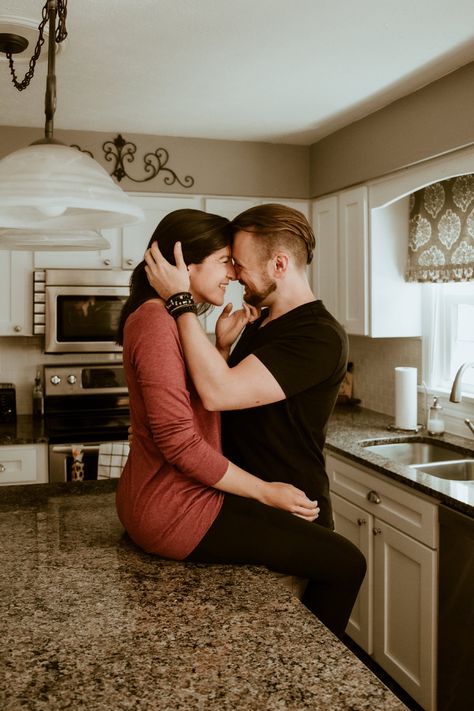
279,385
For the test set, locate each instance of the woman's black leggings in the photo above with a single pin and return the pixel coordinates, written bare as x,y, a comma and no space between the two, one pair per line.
247,531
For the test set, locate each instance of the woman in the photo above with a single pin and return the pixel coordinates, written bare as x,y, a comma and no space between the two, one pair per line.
178,496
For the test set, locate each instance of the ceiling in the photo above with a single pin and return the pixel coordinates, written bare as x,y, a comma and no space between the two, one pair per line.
285,71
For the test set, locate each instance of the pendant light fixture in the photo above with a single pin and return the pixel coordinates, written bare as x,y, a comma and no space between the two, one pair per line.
50,193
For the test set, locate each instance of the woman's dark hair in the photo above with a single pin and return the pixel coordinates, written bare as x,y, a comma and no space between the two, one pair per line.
200,234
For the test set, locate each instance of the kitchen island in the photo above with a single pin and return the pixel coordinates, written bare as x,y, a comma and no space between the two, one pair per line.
90,622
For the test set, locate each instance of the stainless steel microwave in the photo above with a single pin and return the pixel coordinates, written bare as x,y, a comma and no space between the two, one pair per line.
82,309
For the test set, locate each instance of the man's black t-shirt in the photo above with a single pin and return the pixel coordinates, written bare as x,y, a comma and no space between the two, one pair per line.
306,352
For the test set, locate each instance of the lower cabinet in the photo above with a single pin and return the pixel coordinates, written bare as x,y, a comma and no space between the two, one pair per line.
394,618
23,464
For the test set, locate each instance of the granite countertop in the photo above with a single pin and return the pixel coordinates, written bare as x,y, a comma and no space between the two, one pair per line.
349,426
90,622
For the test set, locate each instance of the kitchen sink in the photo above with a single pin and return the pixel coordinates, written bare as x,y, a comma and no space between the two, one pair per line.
415,452
462,470
439,459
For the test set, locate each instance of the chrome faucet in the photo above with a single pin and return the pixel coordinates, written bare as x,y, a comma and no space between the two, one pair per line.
456,394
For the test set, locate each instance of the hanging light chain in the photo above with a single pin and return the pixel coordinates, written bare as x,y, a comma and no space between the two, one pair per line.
60,36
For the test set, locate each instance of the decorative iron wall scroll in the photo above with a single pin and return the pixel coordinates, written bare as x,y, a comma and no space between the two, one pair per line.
121,152
441,244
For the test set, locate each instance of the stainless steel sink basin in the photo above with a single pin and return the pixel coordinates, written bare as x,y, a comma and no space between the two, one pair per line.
415,452
462,470
438,459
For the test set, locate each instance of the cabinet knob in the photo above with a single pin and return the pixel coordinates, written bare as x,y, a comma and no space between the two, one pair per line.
376,531
71,379
17,329
130,262
3,468
55,379
107,262
361,521
373,497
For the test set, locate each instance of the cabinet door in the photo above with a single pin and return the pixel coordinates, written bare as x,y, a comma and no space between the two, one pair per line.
16,293
405,606
100,259
356,525
136,237
24,464
325,262
353,261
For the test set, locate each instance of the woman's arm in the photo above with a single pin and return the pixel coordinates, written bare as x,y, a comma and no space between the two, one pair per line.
277,494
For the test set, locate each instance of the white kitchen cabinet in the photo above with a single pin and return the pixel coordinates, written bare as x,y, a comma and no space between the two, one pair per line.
136,237
101,259
352,273
394,618
23,464
360,264
16,293
325,261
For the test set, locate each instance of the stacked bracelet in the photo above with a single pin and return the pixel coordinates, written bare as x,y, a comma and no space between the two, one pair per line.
180,304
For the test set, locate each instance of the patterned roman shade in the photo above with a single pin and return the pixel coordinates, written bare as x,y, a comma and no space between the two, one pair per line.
441,243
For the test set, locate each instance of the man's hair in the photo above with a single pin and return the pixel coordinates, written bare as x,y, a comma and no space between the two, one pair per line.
278,226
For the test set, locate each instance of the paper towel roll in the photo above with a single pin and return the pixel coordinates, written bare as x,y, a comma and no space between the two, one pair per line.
406,409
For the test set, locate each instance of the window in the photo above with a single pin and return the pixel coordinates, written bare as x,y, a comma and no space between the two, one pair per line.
448,329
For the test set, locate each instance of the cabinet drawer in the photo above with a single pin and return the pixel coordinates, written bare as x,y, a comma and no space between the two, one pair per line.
25,464
408,512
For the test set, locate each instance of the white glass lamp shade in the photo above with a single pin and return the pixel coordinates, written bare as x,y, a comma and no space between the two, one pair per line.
53,187
52,240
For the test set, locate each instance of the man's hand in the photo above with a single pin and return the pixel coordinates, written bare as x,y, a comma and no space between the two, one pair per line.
230,324
166,279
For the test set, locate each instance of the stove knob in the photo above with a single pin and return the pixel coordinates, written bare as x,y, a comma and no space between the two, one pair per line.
71,379
55,379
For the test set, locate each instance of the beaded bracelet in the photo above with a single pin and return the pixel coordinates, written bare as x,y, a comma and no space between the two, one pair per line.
178,310
180,303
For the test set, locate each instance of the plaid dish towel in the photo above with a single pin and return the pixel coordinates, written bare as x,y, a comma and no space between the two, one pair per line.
112,458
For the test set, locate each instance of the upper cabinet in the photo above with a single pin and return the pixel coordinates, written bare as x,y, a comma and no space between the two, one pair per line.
16,293
360,263
135,238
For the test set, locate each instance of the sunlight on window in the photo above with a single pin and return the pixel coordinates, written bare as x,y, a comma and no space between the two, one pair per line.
463,343
448,334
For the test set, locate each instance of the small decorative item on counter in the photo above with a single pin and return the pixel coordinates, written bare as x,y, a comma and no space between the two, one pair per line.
344,396
435,418
38,396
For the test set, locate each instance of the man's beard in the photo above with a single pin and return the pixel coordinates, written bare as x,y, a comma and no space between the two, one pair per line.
255,298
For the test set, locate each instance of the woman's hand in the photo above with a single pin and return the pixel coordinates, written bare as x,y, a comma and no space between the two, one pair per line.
289,498
165,278
230,324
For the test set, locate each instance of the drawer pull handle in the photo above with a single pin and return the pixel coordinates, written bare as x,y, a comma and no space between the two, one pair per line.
3,468
376,531
373,497
361,521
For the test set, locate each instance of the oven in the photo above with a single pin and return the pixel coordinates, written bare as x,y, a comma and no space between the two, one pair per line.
79,309
84,406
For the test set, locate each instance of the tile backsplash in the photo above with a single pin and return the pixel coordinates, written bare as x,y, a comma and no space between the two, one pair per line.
374,362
